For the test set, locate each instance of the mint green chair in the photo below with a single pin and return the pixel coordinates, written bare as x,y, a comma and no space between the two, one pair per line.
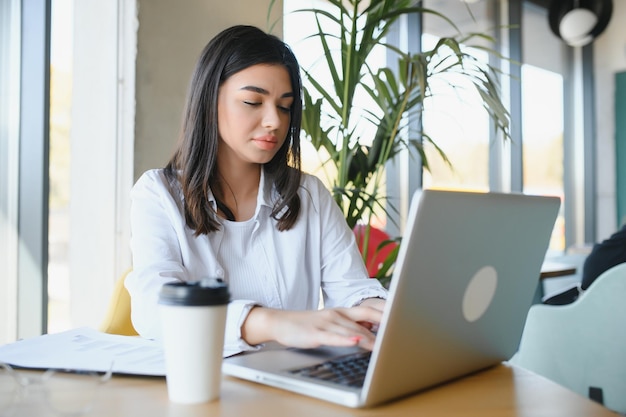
582,345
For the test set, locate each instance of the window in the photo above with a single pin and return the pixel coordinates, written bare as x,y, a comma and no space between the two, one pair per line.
455,118
543,115
542,124
9,166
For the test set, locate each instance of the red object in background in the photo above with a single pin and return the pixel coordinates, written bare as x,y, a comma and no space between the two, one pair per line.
375,256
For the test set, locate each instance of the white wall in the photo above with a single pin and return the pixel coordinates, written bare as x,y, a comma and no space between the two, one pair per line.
95,166
610,58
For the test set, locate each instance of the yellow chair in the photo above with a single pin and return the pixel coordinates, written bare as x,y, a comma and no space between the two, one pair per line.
117,319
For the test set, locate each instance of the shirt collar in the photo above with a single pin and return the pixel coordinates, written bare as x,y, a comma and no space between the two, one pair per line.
266,188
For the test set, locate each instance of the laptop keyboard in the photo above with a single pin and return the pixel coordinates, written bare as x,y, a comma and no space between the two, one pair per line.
347,370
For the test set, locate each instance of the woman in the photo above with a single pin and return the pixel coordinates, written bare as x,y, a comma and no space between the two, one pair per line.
233,203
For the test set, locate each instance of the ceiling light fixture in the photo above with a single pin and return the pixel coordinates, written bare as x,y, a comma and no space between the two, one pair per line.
578,22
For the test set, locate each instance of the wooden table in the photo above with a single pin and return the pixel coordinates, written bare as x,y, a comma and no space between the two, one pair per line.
553,269
500,391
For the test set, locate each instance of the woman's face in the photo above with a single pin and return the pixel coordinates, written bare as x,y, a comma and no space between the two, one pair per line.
253,108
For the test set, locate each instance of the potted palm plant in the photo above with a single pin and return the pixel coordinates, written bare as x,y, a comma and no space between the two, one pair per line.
357,140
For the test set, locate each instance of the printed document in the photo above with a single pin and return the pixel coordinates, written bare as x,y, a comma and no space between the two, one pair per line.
86,349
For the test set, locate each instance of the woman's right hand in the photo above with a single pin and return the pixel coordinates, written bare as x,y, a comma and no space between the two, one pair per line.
310,329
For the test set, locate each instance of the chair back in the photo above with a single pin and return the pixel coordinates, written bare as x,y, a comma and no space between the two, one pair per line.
582,345
117,319
379,246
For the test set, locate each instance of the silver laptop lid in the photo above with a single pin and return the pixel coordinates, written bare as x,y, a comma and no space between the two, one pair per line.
465,276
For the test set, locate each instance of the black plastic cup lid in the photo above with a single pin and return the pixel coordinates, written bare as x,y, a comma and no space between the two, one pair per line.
195,293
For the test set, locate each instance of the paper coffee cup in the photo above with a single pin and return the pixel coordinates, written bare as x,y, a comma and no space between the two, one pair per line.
193,318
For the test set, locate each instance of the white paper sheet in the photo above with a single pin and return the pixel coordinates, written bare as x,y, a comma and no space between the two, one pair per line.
86,349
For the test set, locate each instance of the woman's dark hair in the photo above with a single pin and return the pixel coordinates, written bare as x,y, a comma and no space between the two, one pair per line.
194,162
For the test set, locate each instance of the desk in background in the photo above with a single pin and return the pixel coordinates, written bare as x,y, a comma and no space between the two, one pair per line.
552,269
500,391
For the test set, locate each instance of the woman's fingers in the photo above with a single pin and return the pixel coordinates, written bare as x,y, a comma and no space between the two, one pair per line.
333,327
307,329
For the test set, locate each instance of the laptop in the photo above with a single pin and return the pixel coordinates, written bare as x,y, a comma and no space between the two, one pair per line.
467,269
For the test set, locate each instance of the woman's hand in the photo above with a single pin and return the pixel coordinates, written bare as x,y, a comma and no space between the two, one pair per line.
309,329
377,304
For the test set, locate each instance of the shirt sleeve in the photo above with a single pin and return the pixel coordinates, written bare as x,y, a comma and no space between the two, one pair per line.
345,281
158,240
237,313
156,254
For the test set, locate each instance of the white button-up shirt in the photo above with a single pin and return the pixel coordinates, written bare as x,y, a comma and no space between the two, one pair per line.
319,252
